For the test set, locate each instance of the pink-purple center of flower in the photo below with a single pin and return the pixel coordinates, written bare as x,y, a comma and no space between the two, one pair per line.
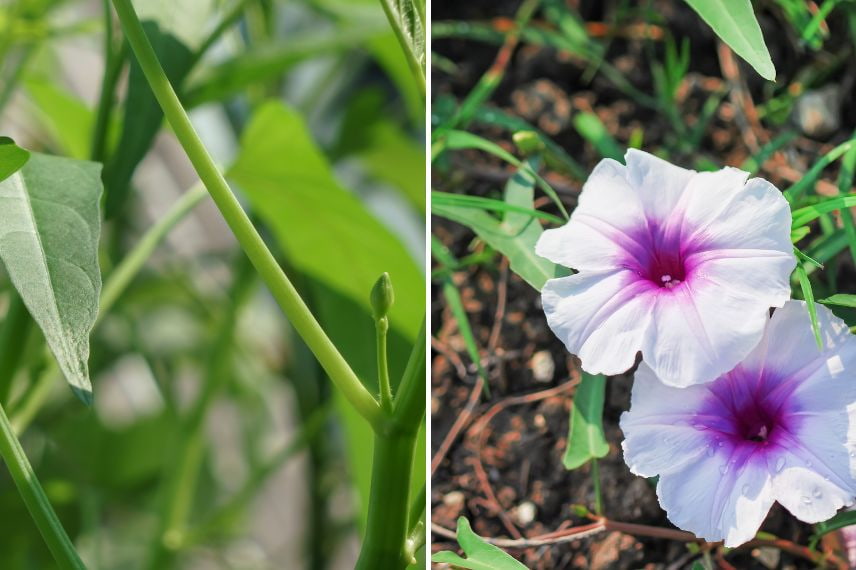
658,255
748,410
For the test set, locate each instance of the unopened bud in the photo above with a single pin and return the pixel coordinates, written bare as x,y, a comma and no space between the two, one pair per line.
382,296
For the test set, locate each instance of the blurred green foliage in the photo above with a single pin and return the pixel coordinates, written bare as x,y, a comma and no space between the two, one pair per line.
209,410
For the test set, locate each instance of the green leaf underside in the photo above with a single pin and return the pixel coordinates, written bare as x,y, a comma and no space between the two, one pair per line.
12,158
585,434
49,230
735,23
480,554
515,235
840,299
342,249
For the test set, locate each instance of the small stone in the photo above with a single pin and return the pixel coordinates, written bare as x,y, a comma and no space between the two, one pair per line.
769,557
818,112
542,365
454,499
525,513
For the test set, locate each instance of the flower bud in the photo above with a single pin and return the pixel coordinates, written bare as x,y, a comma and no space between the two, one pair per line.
382,296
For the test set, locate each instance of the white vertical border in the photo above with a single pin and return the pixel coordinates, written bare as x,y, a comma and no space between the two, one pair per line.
428,324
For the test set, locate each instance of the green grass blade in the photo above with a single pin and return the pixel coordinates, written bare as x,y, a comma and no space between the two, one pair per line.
477,202
808,295
593,130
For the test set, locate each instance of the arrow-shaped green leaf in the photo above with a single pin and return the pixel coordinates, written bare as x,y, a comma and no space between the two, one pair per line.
585,435
480,554
49,229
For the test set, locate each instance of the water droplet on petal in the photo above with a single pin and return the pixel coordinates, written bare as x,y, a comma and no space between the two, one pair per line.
806,500
710,451
719,444
808,463
780,464
817,493
723,469
852,453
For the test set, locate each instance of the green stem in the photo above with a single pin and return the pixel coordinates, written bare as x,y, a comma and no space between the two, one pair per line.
13,337
382,327
34,496
251,242
385,542
410,400
595,478
411,57
108,87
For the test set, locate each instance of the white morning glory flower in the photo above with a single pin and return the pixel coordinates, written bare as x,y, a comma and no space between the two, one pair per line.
779,427
679,264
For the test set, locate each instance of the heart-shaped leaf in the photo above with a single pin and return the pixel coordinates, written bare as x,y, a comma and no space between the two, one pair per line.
49,229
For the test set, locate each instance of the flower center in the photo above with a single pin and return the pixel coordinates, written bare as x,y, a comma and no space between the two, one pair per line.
747,410
666,270
756,425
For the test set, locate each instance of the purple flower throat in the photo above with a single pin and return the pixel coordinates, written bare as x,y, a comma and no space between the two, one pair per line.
659,255
748,410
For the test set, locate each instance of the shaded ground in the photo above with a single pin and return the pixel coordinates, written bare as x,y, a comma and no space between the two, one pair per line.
503,471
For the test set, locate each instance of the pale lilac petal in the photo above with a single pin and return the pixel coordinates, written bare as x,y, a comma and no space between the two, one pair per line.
721,497
816,478
779,426
660,183
699,332
706,194
790,349
595,237
755,217
601,317
662,439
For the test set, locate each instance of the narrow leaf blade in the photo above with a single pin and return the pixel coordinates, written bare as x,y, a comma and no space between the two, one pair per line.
515,236
586,440
49,229
735,23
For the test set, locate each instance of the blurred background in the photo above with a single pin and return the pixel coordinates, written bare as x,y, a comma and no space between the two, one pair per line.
215,441
563,84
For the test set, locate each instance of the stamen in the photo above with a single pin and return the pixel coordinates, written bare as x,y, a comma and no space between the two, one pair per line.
669,282
761,435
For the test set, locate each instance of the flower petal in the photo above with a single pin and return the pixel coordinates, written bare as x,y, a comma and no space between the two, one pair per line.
660,184
700,331
659,435
812,470
588,241
790,336
601,317
723,497
756,216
